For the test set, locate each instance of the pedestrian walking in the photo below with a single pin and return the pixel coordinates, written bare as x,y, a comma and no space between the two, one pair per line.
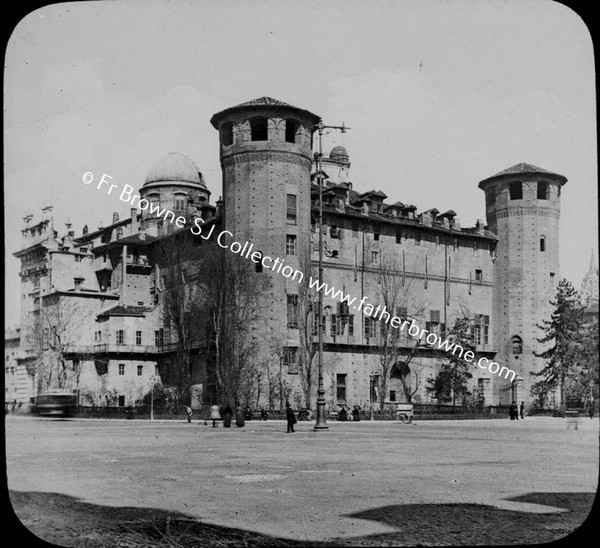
522,410
513,411
356,414
215,415
188,411
291,418
264,414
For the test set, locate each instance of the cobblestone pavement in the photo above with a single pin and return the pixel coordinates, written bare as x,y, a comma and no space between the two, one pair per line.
96,483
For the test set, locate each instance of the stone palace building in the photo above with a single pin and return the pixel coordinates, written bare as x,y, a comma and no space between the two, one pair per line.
100,289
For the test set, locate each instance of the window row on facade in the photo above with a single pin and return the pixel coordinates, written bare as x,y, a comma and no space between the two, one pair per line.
515,191
259,130
120,339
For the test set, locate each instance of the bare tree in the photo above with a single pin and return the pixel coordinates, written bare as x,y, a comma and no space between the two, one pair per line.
230,292
395,346
308,316
278,386
180,307
54,335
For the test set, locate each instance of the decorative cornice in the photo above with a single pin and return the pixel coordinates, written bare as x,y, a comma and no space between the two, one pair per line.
526,211
248,156
411,275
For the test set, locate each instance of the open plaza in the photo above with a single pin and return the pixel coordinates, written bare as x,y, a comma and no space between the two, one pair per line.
99,482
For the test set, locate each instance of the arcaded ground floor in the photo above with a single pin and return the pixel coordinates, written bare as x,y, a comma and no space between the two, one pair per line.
92,483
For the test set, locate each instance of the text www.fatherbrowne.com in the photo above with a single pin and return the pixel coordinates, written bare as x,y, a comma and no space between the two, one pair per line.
277,265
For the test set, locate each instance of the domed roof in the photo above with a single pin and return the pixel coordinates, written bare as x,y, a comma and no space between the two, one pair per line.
174,167
339,153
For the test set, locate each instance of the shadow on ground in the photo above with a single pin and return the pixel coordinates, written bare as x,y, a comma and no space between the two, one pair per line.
67,521
476,524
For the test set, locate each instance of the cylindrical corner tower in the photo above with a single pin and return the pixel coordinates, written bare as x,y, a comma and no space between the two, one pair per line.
523,209
266,156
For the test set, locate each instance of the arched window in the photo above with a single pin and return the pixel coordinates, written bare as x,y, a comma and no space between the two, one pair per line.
543,244
516,190
154,199
227,134
259,129
517,345
291,127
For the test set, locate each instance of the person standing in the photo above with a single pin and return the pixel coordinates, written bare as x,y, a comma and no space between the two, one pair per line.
291,418
240,419
227,416
215,415
188,411
522,410
513,411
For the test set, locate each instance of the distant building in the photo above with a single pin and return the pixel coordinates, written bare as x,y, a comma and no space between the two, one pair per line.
104,287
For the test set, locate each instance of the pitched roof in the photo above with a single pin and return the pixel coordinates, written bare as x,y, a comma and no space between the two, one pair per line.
260,103
124,310
524,168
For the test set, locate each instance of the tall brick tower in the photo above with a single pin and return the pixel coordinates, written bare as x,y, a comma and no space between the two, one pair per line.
266,157
522,209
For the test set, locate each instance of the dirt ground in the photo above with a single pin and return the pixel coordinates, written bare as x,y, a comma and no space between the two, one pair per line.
123,484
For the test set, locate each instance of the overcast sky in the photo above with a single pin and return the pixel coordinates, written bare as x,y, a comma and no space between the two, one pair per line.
438,95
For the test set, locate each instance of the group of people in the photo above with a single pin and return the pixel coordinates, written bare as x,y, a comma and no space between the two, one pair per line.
343,414
514,411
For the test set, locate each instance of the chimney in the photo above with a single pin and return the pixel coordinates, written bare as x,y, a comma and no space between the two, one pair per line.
219,206
133,212
456,223
115,218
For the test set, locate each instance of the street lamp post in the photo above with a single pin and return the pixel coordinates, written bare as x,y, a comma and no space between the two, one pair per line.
321,423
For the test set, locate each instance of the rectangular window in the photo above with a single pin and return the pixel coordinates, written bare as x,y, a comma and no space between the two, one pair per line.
290,244
292,212
180,203
399,237
159,337
121,369
370,327
227,134
376,232
291,127
120,337
392,395
290,358
418,238
351,325
374,256
481,329
542,190
121,401
292,311
479,275
340,387
140,370
98,336
138,337
515,191
334,231
335,328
